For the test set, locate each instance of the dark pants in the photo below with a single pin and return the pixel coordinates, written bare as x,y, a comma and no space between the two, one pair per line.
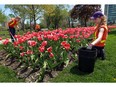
100,52
12,33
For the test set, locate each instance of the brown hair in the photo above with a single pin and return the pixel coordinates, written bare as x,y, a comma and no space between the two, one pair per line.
102,22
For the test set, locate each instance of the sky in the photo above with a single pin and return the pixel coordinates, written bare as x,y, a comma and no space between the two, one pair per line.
2,7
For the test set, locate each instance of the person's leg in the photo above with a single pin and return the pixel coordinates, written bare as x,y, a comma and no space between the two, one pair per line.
12,33
102,53
98,51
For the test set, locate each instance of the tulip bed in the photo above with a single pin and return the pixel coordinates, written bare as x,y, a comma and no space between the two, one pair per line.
47,50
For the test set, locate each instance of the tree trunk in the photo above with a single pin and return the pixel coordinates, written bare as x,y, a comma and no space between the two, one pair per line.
72,23
30,23
85,22
69,22
55,24
34,17
23,24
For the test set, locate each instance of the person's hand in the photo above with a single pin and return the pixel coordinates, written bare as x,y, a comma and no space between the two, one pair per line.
90,46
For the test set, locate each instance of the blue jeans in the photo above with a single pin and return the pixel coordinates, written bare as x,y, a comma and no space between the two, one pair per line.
12,33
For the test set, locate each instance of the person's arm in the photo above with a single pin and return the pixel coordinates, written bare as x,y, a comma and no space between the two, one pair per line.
99,37
17,26
97,40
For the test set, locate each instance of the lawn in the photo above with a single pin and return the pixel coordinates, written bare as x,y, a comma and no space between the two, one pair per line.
104,71
7,75
5,33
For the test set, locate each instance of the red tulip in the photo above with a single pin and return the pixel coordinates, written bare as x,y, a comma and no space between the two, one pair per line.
41,49
17,36
21,47
49,49
0,38
39,38
51,55
55,38
22,54
15,43
50,37
6,41
44,43
72,36
78,41
32,43
65,45
29,52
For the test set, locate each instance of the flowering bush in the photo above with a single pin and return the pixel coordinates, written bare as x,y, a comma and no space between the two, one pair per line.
47,49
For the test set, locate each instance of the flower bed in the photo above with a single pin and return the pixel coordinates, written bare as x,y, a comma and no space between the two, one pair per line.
111,26
47,50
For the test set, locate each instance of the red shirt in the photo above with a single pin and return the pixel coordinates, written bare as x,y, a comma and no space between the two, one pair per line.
12,23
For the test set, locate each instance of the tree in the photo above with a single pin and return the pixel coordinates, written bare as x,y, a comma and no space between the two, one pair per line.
84,12
58,15
2,17
55,16
48,13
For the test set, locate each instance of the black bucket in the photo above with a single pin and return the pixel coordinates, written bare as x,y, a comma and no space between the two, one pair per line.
87,59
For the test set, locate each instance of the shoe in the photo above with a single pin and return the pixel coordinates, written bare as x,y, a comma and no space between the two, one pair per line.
103,58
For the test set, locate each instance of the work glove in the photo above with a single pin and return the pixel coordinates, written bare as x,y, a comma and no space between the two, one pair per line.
90,46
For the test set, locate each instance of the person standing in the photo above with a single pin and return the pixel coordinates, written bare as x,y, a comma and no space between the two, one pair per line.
12,24
37,27
101,34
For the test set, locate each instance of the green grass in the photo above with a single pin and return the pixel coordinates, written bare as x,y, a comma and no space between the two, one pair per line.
7,75
104,70
1,47
5,34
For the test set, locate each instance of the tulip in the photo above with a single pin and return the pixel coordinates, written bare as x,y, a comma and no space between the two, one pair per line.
29,52
32,43
0,38
6,41
22,54
41,49
49,49
51,55
44,43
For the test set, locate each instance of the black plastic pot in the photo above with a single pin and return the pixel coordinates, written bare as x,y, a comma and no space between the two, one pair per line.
86,59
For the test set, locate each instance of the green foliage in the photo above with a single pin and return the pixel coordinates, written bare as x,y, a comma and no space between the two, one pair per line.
7,75
57,18
84,12
2,17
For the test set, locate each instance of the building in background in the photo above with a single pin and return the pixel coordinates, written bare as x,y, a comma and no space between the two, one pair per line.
110,12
